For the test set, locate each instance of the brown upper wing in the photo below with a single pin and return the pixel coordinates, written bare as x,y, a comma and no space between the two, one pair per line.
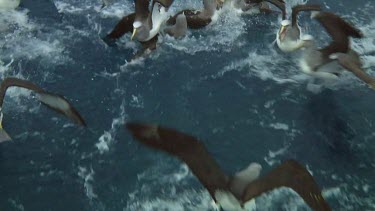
279,4
289,174
353,66
56,102
125,25
186,148
339,30
141,9
298,8
193,19
10,81
165,3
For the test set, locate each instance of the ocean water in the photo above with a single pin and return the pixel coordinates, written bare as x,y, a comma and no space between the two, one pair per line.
226,84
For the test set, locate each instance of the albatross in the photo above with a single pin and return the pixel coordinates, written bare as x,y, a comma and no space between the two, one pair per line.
288,38
328,62
143,24
55,102
229,192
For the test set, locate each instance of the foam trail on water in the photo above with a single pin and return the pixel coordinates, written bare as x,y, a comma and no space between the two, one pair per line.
88,178
19,40
218,35
107,138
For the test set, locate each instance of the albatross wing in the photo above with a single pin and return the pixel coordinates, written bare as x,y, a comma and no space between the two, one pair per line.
350,64
289,174
339,30
61,105
186,148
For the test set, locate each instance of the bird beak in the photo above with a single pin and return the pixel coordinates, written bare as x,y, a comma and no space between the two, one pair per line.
282,32
134,33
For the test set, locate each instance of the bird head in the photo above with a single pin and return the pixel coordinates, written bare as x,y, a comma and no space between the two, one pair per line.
285,25
136,26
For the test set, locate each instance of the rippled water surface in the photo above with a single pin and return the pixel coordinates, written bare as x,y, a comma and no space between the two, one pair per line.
226,84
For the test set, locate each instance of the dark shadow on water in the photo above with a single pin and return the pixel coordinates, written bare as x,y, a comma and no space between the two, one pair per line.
327,134
330,123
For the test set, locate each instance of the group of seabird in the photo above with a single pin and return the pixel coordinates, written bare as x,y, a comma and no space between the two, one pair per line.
229,192
326,63
147,25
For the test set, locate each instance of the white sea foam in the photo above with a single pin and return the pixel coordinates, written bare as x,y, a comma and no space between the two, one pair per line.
106,140
271,157
19,40
220,34
279,126
88,178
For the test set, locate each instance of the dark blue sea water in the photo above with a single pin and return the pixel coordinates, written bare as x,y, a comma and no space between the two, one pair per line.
226,84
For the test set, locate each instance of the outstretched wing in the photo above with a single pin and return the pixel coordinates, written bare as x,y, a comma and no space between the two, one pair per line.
147,48
141,9
56,102
279,4
125,25
339,30
289,174
165,3
298,8
10,81
186,148
193,18
61,105
351,64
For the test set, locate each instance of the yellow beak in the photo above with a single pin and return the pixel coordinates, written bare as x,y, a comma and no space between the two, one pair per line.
134,33
282,32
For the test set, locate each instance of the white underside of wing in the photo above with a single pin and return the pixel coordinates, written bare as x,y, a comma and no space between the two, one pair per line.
54,101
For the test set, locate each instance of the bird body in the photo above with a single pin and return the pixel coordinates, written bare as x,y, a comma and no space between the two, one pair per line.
289,36
329,62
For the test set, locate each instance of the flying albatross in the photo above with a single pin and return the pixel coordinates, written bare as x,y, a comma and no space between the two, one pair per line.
328,62
53,101
229,192
9,4
289,36
144,24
